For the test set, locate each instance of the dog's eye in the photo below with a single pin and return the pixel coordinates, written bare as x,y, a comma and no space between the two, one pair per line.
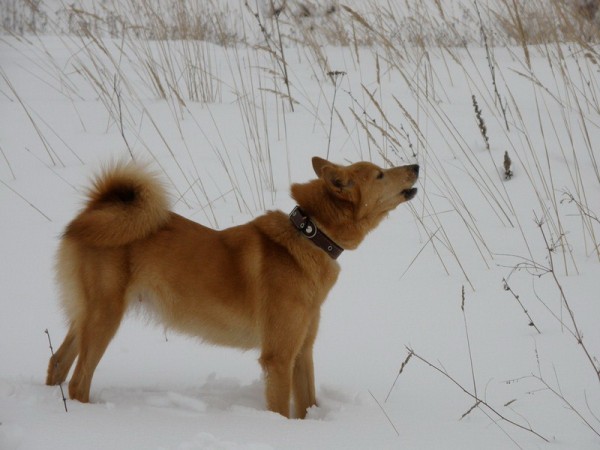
380,175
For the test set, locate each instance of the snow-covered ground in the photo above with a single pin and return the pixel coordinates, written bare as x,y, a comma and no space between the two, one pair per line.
69,104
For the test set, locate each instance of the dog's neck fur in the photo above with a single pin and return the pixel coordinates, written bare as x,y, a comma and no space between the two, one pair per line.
336,217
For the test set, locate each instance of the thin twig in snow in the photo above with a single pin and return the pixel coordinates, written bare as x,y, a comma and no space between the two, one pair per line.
509,289
481,402
26,201
462,308
385,413
62,393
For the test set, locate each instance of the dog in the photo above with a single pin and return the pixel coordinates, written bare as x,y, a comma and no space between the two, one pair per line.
258,285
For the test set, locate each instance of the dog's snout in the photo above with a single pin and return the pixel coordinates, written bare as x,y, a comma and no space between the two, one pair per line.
415,169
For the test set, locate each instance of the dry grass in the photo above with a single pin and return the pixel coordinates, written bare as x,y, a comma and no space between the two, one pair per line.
386,97
173,54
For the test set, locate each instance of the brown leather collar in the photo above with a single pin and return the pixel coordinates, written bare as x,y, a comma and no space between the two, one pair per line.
303,223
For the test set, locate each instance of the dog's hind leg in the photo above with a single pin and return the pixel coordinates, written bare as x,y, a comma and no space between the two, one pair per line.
96,329
61,362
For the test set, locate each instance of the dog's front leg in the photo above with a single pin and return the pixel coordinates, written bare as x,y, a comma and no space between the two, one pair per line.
283,338
304,375
278,375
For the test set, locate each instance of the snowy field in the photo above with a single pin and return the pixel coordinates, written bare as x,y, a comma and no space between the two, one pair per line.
486,285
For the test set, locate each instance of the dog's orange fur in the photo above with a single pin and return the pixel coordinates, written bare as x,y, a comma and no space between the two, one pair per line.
258,285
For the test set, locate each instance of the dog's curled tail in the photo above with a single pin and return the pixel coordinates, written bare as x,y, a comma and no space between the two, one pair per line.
126,202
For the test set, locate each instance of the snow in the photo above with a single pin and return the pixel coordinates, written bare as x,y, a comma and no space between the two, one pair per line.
228,160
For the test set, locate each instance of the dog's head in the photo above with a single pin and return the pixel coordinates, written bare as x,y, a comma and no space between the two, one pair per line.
373,190
357,197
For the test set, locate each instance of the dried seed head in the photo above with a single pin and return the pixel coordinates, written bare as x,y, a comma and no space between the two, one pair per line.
480,122
508,173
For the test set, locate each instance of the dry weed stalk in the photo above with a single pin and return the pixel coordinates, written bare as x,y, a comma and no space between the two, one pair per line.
49,149
539,270
588,217
514,16
385,413
62,393
491,65
402,366
26,201
334,76
462,308
478,401
8,163
550,269
518,299
117,91
274,48
556,392
569,405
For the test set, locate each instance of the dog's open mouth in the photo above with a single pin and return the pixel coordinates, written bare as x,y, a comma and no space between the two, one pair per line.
409,193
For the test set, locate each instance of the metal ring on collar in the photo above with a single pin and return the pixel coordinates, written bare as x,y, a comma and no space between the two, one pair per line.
309,229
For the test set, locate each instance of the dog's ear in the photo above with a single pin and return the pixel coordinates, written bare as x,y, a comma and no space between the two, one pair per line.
318,164
338,180
336,177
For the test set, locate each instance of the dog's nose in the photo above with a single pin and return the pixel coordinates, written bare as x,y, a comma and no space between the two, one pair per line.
415,168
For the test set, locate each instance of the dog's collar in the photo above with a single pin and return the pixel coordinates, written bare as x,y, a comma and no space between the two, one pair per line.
307,227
